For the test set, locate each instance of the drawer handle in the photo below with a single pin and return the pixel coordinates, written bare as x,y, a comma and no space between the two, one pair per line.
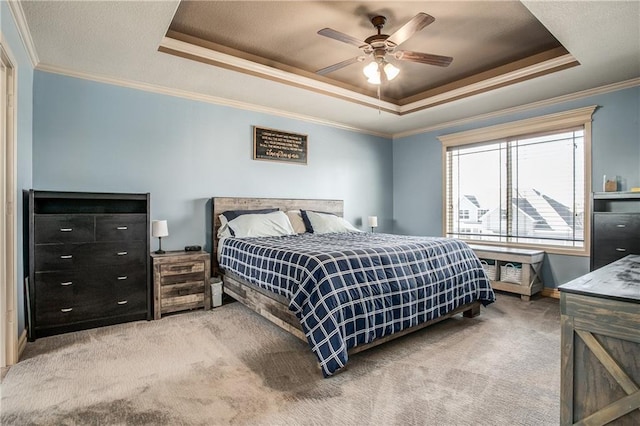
621,249
122,302
65,310
621,226
122,253
121,228
66,283
122,278
66,256
66,229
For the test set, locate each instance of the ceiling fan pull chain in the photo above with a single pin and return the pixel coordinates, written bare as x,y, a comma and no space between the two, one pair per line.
379,102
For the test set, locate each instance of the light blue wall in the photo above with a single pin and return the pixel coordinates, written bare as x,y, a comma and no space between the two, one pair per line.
90,136
417,168
24,112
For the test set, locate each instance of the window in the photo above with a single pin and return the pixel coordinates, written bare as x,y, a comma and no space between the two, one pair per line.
527,179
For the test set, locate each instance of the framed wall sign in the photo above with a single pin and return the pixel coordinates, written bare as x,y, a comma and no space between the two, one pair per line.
276,145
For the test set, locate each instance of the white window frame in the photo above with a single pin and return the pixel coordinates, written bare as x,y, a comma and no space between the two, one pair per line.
545,123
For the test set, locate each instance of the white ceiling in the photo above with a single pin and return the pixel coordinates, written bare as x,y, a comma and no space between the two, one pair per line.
118,41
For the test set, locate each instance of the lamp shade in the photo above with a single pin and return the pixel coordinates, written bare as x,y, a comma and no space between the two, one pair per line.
373,221
159,228
391,71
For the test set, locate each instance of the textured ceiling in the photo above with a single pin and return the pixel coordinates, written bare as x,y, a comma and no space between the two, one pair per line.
119,42
480,36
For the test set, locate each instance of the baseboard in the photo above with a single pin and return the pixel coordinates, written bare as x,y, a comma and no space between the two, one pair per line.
550,292
22,343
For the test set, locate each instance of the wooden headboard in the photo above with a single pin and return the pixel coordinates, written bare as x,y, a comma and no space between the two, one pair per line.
223,204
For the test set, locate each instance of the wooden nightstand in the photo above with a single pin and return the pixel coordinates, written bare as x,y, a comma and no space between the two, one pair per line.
180,281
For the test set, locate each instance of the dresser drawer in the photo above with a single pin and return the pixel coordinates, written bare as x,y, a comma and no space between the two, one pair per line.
608,251
64,228
616,226
65,305
131,298
47,284
121,227
55,257
89,293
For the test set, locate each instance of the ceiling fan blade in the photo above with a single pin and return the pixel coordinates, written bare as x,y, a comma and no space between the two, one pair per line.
414,25
339,65
423,58
345,38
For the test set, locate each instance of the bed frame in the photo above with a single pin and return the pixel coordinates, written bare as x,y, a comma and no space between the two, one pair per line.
272,306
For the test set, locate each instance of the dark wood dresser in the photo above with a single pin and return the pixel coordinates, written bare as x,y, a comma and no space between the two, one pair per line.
615,231
600,353
88,260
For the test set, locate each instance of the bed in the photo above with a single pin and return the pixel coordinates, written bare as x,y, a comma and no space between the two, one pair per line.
344,293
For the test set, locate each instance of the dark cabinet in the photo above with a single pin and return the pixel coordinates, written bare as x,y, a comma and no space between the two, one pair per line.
88,260
615,231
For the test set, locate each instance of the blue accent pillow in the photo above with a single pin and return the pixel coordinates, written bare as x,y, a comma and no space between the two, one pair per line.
307,222
232,214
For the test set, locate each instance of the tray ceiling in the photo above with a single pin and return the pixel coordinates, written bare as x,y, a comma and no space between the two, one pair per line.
493,44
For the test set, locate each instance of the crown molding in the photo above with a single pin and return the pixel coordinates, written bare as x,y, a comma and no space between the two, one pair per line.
23,29
542,123
527,107
206,55
202,98
492,82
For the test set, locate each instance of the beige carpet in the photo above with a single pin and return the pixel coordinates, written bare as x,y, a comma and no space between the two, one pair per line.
230,366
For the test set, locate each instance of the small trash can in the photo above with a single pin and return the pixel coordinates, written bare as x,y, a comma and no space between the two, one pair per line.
216,292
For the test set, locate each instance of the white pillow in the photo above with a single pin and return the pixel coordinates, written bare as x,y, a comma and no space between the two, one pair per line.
325,223
273,224
295,217
224,230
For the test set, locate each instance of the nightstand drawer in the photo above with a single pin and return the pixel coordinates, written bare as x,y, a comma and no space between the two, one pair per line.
182,289
121,227
182,303
181,268
64,228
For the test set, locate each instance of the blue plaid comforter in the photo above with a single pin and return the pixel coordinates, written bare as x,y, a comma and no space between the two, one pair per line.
349,289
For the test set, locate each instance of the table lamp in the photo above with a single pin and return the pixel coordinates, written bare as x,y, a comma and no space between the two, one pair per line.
159,229
373,222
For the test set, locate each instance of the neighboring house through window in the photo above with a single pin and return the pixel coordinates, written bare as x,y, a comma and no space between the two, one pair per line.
521,183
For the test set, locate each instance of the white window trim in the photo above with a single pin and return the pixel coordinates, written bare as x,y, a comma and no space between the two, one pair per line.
544,123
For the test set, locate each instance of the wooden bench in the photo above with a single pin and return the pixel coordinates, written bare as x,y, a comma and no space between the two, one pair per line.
530,281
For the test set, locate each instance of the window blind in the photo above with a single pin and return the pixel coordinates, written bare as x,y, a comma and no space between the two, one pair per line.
526,189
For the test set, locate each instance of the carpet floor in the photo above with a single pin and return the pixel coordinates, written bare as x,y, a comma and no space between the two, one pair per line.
231,366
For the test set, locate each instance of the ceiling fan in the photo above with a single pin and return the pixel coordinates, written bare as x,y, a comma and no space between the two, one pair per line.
378,46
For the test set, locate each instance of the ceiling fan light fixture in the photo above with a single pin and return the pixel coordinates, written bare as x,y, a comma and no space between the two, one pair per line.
391,71
371,70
